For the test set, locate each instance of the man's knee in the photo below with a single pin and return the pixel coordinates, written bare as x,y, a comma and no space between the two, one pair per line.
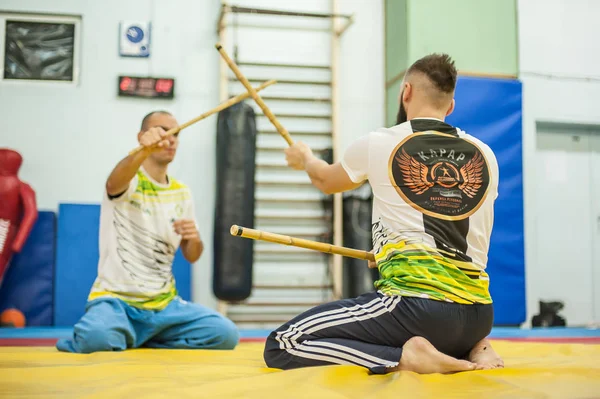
273,355
270,355
228,334
99,341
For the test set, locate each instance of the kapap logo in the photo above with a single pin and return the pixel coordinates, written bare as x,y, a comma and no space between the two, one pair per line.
440,175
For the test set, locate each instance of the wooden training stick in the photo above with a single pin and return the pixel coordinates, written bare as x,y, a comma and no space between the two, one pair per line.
255,95
299,242
220,107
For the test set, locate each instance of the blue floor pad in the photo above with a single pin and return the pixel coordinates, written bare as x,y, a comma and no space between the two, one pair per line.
497,332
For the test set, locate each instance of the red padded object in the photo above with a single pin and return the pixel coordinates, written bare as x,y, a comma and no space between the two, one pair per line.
18,208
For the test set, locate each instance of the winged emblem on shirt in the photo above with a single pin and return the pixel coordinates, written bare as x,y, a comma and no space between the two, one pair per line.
414,173
146,257
420,178
472,175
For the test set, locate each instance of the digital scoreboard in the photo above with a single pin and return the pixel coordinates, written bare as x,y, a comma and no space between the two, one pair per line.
146,87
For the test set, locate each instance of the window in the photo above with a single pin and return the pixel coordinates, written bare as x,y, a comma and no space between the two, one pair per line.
39,48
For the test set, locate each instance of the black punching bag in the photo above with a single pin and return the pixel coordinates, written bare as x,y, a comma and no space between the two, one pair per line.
236,155
357,209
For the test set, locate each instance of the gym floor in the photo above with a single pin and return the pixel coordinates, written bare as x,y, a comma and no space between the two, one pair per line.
539,363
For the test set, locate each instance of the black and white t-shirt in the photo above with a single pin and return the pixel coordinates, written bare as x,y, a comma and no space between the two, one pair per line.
434,188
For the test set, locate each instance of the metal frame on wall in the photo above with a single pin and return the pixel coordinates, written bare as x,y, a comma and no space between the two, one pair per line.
284,207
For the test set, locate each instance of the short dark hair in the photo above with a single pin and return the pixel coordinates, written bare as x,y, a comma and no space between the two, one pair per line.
148,116
439,68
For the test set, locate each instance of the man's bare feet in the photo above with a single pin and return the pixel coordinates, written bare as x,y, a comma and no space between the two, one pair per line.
420,356
485,356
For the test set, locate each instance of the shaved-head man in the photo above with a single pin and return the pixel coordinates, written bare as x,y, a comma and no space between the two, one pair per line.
145,216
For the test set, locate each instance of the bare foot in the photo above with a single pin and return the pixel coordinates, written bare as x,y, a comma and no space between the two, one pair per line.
420,356
485,356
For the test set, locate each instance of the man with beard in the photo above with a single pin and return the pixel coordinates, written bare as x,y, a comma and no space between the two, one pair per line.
145,216
434,188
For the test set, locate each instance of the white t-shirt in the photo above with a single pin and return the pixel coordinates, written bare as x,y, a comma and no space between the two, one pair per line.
138,243
434,188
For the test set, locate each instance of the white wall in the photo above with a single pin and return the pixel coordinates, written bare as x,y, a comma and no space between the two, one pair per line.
71,137
560,71
362,80
559,37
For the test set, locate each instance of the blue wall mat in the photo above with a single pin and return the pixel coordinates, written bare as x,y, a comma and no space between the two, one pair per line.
77,262
490,109
28,283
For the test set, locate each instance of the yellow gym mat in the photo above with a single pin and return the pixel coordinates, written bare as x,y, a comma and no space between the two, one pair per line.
533,370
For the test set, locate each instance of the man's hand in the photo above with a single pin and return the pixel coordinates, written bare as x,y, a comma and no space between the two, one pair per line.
329,179
191,244
297,154
154,139
186,228
372,263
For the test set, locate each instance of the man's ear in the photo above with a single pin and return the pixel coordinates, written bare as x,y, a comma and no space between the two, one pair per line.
451,108
407,93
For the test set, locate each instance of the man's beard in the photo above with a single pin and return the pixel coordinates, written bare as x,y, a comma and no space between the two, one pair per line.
401,117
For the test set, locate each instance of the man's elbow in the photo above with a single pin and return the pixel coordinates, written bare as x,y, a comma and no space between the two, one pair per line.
192,255
192,258
328,190
323,187
320,182
334,187
113,189
109,187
